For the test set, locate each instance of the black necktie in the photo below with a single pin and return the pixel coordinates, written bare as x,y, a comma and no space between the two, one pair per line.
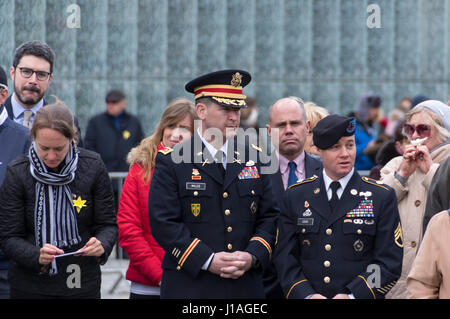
219,160
334,197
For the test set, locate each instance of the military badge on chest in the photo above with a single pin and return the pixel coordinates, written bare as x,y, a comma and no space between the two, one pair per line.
306,219
249,172
253,207
358,245
195,209
364,208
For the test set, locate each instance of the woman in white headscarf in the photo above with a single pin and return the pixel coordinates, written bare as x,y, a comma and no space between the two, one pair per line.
428,129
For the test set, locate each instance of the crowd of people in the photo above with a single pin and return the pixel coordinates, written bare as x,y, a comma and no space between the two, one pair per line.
201,215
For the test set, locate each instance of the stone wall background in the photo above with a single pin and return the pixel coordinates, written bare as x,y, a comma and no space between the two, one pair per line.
320,50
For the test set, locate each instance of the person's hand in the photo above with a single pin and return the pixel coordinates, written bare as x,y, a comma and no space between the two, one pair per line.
230,265
240,262
219,261
409,163
317,296
48,253
423,158
341,296
93,248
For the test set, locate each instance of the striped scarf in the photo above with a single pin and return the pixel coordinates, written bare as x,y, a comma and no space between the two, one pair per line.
54,215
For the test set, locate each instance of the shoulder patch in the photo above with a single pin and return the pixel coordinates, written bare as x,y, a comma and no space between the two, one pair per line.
374,182
306,180
166,150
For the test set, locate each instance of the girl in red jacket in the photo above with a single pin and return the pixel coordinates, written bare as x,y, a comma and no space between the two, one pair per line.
135,237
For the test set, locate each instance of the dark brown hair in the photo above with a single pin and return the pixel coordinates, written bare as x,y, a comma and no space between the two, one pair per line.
56,116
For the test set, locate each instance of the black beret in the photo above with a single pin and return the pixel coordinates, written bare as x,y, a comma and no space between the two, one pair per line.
331,128
224,87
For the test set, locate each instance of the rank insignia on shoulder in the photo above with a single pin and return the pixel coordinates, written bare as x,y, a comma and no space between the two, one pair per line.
166,150
374,182
398,236
259,149
306,180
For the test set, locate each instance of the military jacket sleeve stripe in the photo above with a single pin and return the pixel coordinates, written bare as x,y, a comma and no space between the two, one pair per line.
188,251
264,243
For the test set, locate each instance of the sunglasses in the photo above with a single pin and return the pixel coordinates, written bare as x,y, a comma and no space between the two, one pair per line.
423,130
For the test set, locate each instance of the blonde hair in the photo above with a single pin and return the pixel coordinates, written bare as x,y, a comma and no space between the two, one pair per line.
145,153
315,113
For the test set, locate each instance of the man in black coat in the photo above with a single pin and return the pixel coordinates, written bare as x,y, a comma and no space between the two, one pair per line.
114,132
288,127
339,233
211,206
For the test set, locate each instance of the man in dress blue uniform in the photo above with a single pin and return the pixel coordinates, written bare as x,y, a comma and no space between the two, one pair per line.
213,212
339,233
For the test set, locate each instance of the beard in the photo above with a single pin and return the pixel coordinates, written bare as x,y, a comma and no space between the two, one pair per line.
28,100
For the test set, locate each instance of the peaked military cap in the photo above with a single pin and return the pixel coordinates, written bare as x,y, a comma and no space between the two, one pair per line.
331,128
224,87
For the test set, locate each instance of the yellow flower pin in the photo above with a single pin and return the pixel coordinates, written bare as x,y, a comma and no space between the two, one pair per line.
79,203
126,134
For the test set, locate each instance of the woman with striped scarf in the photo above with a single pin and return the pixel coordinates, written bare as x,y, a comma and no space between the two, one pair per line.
56,200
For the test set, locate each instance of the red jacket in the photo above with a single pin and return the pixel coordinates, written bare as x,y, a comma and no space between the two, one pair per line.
135,236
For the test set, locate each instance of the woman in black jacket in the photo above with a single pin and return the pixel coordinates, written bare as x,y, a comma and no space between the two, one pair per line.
56,200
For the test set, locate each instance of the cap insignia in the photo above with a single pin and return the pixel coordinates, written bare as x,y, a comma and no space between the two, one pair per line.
236,79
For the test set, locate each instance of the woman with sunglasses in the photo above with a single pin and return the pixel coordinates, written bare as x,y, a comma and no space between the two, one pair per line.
428,130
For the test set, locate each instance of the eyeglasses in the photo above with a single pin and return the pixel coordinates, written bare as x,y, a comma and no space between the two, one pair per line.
423,130
40,75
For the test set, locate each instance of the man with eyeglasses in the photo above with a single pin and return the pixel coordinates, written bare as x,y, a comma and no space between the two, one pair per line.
14,141
32,73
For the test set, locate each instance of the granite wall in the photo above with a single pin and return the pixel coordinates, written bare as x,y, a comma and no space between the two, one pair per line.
320,50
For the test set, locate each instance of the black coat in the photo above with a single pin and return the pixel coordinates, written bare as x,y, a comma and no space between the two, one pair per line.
113,145
340,252
195,211
17,238
313,166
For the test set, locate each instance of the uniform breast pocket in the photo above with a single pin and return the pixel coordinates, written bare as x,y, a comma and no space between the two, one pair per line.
307,234
196,202
359,237
249,198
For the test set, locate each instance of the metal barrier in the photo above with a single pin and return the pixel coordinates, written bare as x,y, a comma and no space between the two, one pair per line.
117,177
